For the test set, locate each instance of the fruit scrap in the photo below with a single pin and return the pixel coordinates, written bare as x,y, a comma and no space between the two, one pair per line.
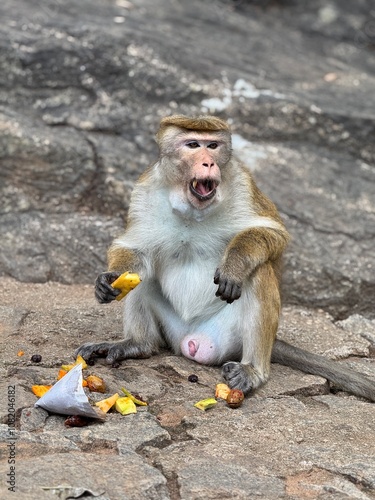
126,282
106,404
125,405
95,384
61,374
20,353
77,362
235,398
40,390
222,391
76,421
138,402
205,404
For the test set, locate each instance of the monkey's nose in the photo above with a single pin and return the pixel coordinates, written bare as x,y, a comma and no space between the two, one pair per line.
208,164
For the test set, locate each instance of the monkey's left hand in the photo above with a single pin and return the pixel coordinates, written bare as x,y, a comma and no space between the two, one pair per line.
229,289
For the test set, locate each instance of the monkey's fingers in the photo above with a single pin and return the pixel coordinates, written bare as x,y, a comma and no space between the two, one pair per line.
228,290
90,349
104,292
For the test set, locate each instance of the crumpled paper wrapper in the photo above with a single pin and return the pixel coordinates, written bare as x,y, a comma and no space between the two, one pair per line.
67,397
65,492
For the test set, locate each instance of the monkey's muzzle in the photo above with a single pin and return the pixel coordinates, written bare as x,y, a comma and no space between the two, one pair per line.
203,189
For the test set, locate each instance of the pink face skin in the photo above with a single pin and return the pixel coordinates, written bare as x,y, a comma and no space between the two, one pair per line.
200,348
200,152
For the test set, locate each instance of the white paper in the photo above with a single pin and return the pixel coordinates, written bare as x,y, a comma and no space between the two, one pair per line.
67,397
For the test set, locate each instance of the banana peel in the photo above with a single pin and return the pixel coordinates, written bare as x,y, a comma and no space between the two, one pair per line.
205,404
125,406
126,282
133,398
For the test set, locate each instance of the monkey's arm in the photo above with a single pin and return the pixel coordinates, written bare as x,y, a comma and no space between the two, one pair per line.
121,259
244,254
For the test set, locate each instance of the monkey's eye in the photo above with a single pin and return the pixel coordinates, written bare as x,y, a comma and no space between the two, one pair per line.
212,145
193,145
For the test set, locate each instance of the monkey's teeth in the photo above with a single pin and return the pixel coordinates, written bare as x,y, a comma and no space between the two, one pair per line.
195,182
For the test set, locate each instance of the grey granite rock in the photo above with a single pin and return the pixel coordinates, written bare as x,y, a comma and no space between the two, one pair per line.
82,91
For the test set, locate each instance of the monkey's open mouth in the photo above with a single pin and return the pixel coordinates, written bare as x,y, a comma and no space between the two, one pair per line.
203,189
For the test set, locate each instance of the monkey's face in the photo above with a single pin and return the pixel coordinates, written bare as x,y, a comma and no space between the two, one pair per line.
198,160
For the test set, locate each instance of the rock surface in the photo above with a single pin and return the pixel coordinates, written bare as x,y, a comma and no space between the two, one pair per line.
292,439
82,88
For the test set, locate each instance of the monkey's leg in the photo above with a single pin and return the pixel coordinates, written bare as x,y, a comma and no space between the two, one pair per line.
142,337
261,318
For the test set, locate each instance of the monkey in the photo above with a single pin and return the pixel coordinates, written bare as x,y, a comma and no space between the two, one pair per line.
208,245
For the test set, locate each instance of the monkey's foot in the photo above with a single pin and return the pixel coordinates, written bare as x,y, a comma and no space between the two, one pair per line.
239,376
112,351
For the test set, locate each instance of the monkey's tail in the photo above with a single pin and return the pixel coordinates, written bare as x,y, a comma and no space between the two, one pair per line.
345,378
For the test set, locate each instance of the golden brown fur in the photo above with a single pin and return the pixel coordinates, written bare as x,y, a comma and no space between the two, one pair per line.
199,124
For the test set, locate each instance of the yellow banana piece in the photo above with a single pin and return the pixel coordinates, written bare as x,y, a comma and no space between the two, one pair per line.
125,406
126,282
205,404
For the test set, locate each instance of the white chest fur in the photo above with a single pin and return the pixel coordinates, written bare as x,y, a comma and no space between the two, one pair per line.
182,247
185,270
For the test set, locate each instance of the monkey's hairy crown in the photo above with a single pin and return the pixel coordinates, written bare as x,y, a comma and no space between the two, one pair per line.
203,123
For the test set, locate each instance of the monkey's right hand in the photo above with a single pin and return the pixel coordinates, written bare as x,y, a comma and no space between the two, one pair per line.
104,292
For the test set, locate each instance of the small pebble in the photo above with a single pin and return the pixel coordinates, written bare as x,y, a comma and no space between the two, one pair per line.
193,378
